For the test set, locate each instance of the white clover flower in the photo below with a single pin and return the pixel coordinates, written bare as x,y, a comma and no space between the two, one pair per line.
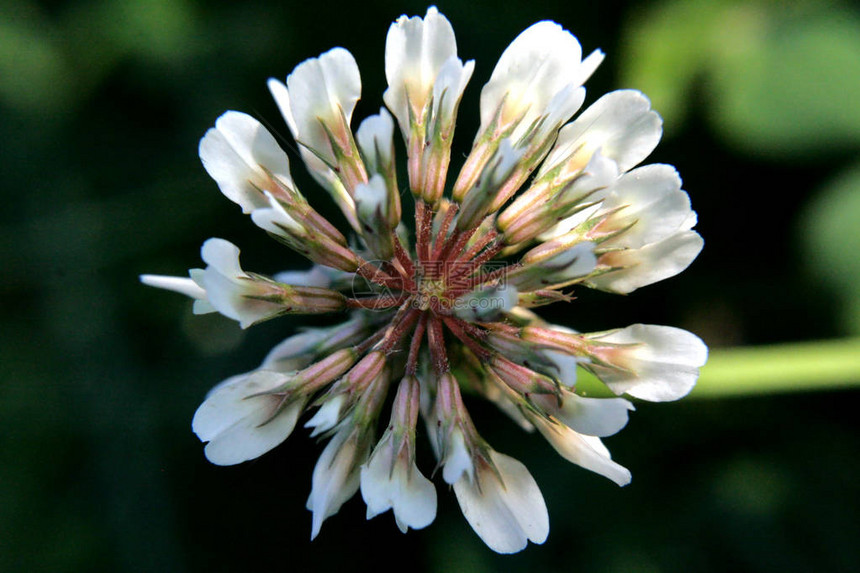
544,202
426,80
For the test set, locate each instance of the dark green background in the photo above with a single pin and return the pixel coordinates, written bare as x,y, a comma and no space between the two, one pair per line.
102,104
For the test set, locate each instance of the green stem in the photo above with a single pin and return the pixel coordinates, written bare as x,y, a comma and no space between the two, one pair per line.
796,367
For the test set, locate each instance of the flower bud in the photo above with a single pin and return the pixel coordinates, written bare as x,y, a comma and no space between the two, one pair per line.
372,205
376,141
550,200
476,203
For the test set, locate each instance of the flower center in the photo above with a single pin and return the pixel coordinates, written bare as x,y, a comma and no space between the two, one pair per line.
431,294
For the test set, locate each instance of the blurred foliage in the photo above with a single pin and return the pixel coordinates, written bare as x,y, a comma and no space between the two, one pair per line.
52,64
831,235
102,103
775,77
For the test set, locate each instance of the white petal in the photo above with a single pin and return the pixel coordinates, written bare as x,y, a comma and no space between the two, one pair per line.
319,90
227,297
222,256
181,285
457,458
621,123
297,345
506,515
565,366
377,476
653,203
569,223
316,276
449,87
690,221
281,95
275,219
336,476
327,416
585,451
234,154
371,198
389,482
541,62
665,362
201,306
317,167
589,65
415,51
662,343
591,416
565,265
375,138
239,424
594,181
295,352
561,108
488,303
650,264
578,261
416,505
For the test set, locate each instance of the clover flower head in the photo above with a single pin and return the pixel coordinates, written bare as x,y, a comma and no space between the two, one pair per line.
547,200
